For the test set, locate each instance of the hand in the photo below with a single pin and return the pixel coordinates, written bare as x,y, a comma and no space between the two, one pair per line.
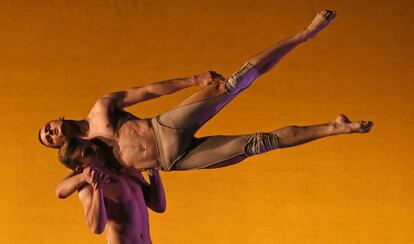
94,177
208,78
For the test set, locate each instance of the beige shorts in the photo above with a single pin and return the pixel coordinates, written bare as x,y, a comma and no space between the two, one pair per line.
174,130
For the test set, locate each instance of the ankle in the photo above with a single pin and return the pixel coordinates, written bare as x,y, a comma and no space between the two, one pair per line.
302,36
338,129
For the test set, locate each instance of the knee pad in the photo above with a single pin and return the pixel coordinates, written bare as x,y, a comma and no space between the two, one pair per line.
241,79
260,143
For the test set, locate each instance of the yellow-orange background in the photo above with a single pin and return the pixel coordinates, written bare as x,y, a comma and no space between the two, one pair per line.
58,57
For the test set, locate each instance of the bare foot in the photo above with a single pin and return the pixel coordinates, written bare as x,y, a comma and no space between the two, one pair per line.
322,19
344,126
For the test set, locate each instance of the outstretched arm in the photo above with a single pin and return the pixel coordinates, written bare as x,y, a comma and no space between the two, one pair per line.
154,191
135,95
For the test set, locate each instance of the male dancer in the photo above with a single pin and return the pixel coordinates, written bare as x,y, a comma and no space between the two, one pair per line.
113,198
167,142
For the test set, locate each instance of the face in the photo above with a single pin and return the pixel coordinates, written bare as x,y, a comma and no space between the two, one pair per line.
51,134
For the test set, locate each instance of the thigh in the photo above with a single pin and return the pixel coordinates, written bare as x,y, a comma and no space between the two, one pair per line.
213,152
210,91
201,106
189,117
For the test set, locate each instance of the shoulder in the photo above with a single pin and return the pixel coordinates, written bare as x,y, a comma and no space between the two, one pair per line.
103,104
136,176
105,111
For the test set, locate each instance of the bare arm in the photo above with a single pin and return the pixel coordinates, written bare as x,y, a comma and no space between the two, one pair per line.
139,94
154,192
94,208
70,184
74,181
92,199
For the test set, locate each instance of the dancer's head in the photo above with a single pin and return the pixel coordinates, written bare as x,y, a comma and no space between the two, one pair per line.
55,132
76,152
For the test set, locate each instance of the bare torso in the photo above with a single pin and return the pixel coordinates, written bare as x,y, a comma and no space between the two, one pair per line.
127,212
137,144
131,138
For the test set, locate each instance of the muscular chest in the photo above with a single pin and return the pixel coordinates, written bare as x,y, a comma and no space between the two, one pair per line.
123,198
105,122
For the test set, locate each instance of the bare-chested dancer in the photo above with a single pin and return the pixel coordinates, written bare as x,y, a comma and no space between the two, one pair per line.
113,198
167,141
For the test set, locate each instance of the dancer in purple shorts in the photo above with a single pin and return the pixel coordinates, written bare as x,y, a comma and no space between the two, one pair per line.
167,142
114,199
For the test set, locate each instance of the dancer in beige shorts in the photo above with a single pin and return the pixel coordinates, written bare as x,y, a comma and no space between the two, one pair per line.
167,142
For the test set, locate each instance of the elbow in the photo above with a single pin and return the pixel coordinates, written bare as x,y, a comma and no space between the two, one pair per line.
59,194
159,208
97,228
98,231
162,208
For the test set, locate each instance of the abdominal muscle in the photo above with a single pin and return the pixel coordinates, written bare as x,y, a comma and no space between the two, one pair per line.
127,212
137,146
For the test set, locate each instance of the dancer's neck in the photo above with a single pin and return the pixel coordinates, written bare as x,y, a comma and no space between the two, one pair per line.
76,128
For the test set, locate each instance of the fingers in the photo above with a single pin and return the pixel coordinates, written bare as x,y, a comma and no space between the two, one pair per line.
214,74
100,178
219,78
105,180
98,183
215,77
88,173
95,177
210,77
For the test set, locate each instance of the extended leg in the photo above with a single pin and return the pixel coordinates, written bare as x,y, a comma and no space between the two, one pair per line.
204,104
221,151
296,135
266,60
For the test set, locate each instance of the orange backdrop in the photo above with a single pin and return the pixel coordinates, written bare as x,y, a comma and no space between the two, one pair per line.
58,57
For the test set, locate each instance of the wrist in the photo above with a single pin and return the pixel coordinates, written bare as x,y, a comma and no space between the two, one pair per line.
83,178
